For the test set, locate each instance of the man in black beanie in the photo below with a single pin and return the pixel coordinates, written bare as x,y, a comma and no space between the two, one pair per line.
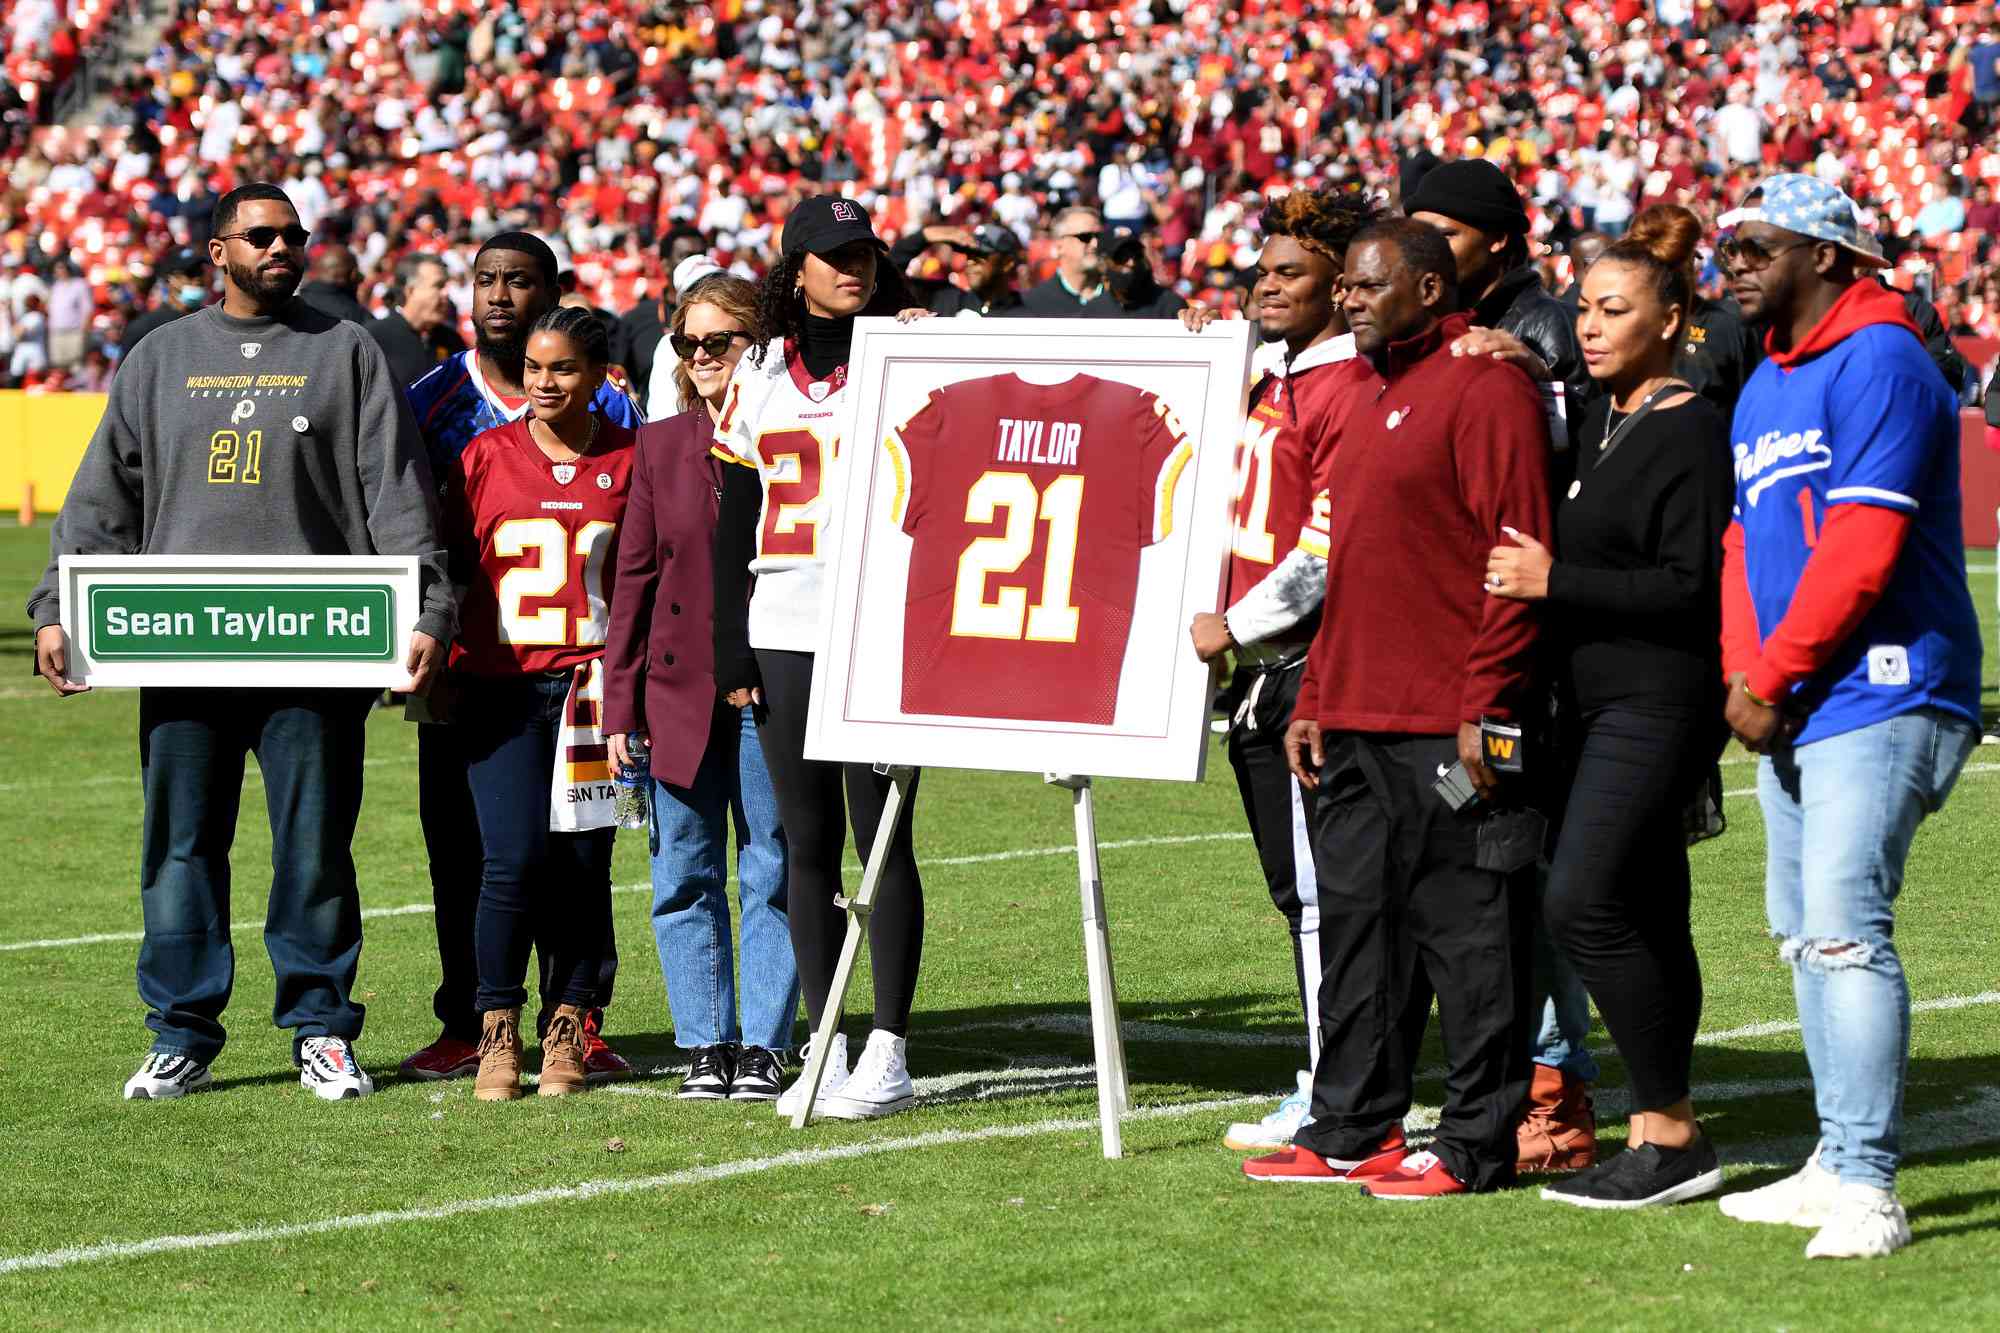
1481,214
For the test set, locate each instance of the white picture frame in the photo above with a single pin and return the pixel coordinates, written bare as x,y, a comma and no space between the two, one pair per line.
377,598
1160,724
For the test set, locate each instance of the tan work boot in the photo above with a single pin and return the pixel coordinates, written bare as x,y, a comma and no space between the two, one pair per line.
499,1056
1559,1130
562,1053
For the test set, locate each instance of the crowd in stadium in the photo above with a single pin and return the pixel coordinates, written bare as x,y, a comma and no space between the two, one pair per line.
405,128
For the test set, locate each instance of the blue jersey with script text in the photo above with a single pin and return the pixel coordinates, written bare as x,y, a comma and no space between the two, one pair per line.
1868,421
453,405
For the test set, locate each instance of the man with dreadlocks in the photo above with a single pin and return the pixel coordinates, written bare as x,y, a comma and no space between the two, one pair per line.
1277,567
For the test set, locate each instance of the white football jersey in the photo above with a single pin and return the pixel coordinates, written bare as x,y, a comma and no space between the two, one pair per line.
778,419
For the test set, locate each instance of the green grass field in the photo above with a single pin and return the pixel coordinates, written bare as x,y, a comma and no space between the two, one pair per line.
990,1205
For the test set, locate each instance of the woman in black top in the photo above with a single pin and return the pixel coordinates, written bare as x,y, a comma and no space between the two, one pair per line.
1635,606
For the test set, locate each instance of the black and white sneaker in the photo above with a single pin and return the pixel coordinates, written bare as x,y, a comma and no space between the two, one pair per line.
759,1077
329,1070
1644,1177
164,1076
709,1075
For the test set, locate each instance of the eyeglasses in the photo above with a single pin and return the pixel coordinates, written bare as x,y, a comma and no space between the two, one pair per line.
1739,255
716,345
1087,237
261,238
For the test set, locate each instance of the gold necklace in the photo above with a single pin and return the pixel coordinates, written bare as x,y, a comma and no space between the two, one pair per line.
560,443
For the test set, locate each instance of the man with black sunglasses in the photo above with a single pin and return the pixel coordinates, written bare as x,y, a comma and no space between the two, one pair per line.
1079,275
257,427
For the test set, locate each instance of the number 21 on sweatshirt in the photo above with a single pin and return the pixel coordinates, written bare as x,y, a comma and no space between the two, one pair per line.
1028,505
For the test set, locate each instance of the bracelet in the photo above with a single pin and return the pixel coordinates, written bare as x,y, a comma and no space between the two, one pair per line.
1755,698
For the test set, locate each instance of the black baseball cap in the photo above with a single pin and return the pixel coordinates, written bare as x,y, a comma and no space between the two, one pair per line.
824,223
993,239
184,260
1119,238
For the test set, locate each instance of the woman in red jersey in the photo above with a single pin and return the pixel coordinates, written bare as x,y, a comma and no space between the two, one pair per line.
532,515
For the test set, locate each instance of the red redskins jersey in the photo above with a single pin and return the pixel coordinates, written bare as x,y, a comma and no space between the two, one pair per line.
1029,505
535,541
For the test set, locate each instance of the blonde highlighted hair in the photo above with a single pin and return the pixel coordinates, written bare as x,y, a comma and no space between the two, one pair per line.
731,295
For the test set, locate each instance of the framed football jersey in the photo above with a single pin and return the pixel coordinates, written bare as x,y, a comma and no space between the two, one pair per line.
1031,513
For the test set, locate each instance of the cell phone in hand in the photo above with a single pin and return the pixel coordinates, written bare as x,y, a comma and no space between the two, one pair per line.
1454,787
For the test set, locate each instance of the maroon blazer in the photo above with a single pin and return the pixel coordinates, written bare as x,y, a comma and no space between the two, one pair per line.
659,657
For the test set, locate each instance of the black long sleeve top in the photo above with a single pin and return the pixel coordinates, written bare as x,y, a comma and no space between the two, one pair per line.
1636,589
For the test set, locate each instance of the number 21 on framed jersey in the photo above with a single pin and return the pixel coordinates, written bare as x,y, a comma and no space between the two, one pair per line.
1028,506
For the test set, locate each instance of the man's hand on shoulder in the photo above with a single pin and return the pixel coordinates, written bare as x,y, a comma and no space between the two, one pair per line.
1503,347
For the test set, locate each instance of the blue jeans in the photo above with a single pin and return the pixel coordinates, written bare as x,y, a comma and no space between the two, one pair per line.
1563,1035
538,887
309,746
1839,816
691,901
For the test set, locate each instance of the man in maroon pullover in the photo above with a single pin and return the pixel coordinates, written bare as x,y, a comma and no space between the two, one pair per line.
1440,454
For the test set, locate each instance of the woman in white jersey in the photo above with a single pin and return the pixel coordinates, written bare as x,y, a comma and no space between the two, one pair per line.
782,416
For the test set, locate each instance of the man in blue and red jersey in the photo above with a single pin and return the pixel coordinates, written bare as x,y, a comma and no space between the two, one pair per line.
1853,657
513,285
1277,568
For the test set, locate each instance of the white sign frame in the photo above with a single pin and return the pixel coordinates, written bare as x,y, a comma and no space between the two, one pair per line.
1203,378
79,574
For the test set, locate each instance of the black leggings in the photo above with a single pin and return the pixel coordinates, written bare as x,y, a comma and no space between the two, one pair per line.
1618,895
815,815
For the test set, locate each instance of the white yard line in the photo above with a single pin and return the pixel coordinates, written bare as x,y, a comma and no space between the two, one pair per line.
251,773
418,909
1775,1029
591,1189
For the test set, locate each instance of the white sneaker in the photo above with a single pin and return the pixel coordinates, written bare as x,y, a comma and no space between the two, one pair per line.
789,1101
164,1076
328,1069
1277,1129
1802,1199
1867,1223
880,1084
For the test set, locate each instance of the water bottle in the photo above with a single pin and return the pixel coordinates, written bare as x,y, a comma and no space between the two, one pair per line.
632,806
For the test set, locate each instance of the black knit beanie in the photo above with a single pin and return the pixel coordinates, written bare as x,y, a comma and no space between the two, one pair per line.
1472,191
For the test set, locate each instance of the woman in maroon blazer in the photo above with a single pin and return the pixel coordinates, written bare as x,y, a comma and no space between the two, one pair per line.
678,670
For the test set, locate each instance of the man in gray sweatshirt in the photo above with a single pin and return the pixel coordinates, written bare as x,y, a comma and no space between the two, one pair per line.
254,427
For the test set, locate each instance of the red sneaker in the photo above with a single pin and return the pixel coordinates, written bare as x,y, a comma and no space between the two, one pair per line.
447,1057
1304,1165
1421,1176
601,1064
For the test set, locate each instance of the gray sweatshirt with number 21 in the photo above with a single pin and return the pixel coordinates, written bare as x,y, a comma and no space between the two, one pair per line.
277,436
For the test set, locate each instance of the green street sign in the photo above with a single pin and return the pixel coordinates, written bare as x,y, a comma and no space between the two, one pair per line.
242,622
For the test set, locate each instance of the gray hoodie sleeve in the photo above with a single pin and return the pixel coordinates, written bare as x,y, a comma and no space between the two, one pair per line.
1288,594
399,490
104,510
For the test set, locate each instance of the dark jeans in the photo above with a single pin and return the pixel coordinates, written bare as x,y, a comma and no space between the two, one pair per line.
816,803
1618,895
309,746
457,863
538,886
1405,908
1278,809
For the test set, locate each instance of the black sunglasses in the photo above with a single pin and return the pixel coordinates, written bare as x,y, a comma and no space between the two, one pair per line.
1087,237
715,344
261,238
1742,255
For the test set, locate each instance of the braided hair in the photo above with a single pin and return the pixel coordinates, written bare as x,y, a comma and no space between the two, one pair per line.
581,327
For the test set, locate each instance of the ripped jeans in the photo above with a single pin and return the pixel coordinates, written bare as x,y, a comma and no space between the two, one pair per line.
1839,816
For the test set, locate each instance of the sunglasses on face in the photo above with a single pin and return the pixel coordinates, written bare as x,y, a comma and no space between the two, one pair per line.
1087,237
262,238
715,345
1743,255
